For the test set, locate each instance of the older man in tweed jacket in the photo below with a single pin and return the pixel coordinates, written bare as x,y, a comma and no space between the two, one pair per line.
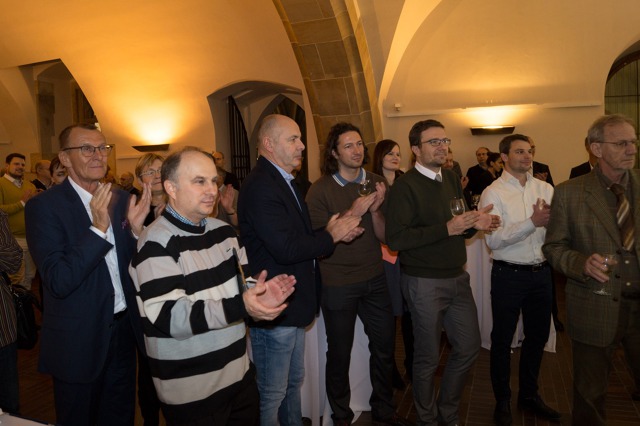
583,227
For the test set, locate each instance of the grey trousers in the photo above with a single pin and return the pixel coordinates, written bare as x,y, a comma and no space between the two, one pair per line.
436,304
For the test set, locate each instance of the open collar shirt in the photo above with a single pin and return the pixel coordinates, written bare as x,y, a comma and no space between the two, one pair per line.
517,240
112,256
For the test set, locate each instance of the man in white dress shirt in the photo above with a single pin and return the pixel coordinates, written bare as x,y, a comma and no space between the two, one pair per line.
520,277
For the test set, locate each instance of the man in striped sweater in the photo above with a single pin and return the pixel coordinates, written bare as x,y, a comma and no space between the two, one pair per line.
193,301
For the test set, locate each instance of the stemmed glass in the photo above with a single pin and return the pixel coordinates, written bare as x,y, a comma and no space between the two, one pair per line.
457,206
364,188
609,261
475,200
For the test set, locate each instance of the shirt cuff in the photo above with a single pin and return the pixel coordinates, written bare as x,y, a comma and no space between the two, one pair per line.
99,232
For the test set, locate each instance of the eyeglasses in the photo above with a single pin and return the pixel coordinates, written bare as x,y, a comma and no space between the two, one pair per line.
89,150
438,142
623,144
151,172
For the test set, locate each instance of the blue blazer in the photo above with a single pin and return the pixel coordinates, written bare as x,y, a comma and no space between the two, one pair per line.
78,293
276,231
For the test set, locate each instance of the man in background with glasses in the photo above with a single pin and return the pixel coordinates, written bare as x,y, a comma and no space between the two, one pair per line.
80,234
430,241
593,215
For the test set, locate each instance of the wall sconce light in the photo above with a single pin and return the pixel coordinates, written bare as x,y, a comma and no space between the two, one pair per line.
492,130
151,148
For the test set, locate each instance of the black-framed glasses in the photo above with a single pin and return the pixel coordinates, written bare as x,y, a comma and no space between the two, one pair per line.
438,142
89,150
623,144
150,172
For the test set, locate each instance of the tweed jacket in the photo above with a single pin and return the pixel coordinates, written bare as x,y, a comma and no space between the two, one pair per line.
582,224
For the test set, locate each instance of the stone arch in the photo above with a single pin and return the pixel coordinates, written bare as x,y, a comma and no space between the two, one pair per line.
331,56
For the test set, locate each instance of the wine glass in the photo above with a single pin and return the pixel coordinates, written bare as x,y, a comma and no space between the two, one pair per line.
475,200
457,206
364,188
609,260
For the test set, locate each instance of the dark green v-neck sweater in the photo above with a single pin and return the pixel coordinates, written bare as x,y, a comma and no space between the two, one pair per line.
416,225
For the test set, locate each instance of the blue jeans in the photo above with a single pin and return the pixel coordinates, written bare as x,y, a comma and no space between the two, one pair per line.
9,378
278,354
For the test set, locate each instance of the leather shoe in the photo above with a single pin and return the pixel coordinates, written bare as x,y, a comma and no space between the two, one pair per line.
341,422
393,421
502,413
539,408
635,395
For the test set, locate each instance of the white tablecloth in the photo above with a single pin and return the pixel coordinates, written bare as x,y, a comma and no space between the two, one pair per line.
314,399
479,268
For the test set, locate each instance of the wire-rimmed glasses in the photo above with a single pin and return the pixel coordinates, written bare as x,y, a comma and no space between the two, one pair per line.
89,150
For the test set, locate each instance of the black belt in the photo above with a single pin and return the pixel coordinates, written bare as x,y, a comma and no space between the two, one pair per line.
119,315
631,296
517,267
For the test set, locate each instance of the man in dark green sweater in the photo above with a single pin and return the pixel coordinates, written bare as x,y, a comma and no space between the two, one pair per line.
430,241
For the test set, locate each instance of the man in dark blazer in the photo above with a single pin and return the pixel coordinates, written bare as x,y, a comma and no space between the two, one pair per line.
585,167
80,236
276,231
581,169
582,228
539,170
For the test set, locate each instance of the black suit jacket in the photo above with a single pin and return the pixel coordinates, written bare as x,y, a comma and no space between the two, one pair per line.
39,185
580,170
474,173
542,168
78,293
277,234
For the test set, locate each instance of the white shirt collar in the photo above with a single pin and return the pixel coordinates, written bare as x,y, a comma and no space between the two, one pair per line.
428,172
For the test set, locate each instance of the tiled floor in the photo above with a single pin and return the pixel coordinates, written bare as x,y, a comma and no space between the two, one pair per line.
477,402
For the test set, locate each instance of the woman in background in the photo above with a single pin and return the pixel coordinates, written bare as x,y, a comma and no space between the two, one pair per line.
494,169
58,171
148,171
386,162
226,208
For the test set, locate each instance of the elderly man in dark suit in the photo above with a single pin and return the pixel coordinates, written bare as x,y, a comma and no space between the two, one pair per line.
80,234
276,231
591,216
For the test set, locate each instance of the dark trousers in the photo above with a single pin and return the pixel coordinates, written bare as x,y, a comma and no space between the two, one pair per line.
110,399
368,300
9,395
592,364
147,396
513,291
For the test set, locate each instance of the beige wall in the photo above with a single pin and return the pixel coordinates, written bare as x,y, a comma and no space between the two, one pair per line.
147,67
544,62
